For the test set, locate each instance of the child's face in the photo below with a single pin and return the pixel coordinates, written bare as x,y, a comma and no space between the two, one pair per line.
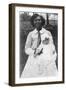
45,41
38,22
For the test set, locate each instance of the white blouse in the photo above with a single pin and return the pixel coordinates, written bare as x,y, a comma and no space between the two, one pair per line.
31,42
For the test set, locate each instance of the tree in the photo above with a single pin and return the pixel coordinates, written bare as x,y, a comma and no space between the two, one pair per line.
25,16
47,18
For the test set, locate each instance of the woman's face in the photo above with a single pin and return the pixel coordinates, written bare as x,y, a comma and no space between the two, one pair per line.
38,22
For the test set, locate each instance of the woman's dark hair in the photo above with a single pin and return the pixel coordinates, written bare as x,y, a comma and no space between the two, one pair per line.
36,15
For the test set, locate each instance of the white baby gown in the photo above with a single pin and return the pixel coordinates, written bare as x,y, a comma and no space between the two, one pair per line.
42,65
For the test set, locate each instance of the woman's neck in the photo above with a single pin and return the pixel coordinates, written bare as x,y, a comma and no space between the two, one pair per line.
39,29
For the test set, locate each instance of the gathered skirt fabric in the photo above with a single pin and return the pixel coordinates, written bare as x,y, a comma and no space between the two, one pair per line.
39,67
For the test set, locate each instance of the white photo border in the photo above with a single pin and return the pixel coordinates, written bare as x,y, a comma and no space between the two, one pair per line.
59,77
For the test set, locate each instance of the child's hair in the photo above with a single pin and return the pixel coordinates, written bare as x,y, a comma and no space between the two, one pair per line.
36,15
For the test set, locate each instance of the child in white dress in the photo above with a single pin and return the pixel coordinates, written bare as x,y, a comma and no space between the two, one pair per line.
41,58
43,64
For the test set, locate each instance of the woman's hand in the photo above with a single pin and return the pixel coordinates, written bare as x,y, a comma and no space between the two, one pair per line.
37,52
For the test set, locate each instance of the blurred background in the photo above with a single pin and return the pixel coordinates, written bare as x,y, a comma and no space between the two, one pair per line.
51,24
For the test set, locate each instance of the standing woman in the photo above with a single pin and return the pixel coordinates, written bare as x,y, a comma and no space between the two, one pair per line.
41,50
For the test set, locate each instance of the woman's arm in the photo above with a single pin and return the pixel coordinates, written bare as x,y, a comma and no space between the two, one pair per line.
28,44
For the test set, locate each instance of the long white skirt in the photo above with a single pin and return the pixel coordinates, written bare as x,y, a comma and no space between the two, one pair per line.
39,67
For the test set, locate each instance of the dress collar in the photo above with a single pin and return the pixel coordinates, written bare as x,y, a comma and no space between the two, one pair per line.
41,31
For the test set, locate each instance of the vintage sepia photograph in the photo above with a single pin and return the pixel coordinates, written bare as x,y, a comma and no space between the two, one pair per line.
37,42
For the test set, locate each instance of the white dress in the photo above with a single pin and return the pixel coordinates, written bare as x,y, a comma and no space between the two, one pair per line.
44,64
